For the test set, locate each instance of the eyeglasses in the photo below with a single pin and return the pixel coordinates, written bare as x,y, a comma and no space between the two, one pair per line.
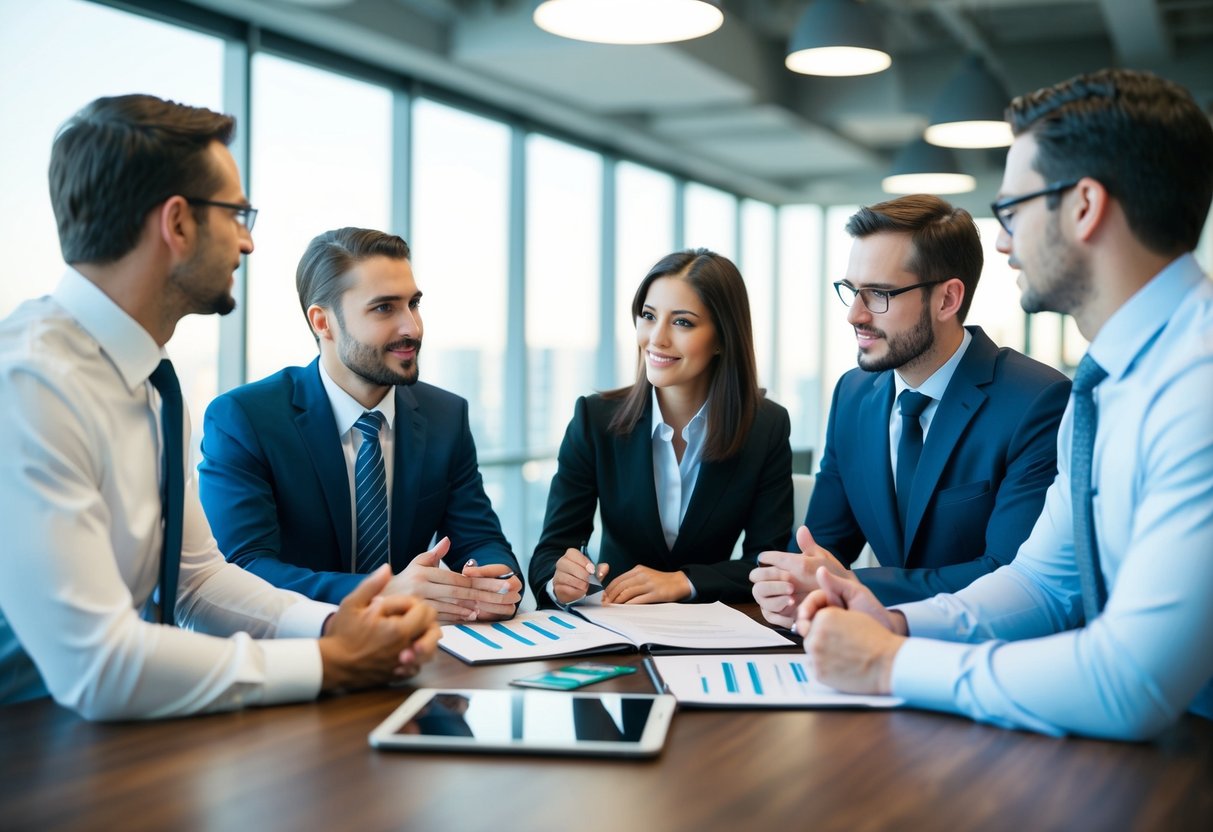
1002,208
876,300
246,215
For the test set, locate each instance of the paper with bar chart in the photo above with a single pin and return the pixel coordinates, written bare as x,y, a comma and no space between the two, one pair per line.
537,635
755,681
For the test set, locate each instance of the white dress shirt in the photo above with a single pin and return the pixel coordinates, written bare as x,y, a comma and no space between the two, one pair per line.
80,509
1148,657
934,387
347,411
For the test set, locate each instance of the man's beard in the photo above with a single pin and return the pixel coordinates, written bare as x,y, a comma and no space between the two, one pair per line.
368,363
902,350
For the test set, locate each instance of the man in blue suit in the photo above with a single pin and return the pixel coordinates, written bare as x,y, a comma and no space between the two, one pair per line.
299,469
940,445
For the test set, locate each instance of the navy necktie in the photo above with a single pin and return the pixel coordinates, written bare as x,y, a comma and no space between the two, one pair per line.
172,486
370,497
909,449
1086,551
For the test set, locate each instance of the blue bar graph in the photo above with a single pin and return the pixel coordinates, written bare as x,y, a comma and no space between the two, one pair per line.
540,630
730,678
798,672
704,681
561,622
501,628
754,679
465,628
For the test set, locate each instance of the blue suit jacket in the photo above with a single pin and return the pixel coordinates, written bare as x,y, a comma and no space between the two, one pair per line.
750,492
989,456
274,484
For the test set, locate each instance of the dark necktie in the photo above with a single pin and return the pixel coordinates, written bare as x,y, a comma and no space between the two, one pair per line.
370,497
909,449
172,487
1086,551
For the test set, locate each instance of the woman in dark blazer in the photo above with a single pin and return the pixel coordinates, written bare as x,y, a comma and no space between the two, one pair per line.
681,462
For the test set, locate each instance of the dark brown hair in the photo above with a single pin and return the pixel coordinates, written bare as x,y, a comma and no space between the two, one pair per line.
117,159
733,393
320,277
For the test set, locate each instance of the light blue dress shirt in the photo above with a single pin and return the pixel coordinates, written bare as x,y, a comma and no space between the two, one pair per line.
1027,661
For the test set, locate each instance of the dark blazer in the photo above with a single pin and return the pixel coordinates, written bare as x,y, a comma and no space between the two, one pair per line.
750,492
989,456
274,483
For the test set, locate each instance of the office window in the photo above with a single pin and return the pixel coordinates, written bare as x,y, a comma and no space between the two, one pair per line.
460,228
711,220
798,386
321,159
757,264
563,263
996,306
66,53
644,233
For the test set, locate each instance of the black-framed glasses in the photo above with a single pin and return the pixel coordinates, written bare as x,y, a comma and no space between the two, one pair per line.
876,300
246,215
1002,208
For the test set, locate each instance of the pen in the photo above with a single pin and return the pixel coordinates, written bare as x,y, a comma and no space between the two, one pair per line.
651,668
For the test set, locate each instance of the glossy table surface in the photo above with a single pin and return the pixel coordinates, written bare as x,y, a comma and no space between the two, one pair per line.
309,766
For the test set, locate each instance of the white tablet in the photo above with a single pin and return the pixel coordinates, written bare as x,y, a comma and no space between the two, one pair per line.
529,721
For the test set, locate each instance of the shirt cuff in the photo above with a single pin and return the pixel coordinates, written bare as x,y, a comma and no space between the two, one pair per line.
304,619
926,672
926,619
293,670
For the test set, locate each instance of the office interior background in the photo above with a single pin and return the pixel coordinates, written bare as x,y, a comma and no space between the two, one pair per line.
537,178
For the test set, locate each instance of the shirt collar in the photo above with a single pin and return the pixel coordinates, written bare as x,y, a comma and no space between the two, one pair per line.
1136,323
347,410
128,345
661,430
937,384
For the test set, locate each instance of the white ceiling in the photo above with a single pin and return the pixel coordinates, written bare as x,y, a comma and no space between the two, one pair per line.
723,108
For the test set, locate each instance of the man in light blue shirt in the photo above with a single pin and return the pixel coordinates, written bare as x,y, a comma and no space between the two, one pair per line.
1101,224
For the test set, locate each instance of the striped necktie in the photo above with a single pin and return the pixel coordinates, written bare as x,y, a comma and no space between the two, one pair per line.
1086,551
370,495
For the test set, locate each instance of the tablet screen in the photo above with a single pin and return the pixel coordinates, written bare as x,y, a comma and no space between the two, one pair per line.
497,716
628,724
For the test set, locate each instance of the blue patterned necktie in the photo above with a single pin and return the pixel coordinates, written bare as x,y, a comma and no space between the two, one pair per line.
370,496
909,449
1086,551
172,488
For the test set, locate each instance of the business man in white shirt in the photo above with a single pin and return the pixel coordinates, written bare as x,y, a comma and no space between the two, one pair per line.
152,221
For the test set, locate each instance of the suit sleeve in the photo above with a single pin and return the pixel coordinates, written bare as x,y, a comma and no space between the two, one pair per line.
767,521
1031,468
829,516
573,497
469,519
236,484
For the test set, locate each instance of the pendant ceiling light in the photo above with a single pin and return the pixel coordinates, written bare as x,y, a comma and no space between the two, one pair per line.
837,37
922,168
970,111
629,21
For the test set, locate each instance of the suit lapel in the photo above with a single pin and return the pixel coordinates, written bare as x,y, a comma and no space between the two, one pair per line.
318,430
409,450
872,433
639,492
961,402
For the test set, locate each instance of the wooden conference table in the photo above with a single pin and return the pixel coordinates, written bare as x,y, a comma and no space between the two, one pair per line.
308,766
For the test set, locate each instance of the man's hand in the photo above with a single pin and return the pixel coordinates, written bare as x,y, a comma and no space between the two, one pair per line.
850,637
508,589
642,585
787,577
455,596
570,583
375,638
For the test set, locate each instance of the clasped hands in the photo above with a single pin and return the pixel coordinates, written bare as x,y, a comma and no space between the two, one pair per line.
849,636
639,585
477,593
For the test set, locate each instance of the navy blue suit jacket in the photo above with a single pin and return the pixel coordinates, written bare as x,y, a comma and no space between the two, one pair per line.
989,456
274,483
750,492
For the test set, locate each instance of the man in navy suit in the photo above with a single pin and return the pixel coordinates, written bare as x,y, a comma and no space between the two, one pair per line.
282,477
940,445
